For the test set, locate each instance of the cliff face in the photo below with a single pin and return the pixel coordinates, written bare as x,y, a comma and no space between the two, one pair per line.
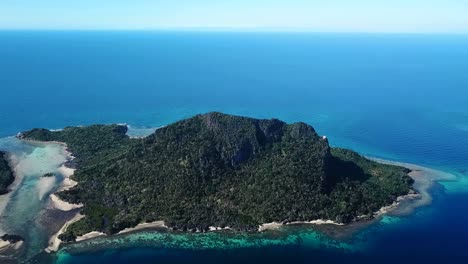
235,140
219,170
6,174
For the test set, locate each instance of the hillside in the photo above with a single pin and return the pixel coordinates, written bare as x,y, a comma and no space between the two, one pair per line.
219,170
6,174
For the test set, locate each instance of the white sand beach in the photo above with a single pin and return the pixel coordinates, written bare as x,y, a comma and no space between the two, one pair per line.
67,184
156,224
276,225
139,227
90,235
54,241
215,228
4,245
423,178
56,203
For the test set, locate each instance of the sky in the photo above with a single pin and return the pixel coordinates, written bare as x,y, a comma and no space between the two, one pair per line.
417,16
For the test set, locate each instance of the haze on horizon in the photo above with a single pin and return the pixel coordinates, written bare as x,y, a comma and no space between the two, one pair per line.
397,16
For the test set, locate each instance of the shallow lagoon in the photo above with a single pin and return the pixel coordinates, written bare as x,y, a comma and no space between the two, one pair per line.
24,211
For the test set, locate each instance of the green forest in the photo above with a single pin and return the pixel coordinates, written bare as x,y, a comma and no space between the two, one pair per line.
6,174
219,170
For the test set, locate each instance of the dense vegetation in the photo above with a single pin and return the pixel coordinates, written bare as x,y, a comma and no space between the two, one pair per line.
6,174
11,238
219,170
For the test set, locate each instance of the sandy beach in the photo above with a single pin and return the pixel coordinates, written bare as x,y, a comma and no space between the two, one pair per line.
215,228
139,227
90,235
156,224
7,246
276,225
3,245
67,173
56,203
54,241
423,178
67,183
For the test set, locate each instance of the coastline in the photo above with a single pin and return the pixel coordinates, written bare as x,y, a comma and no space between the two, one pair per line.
13,163
424,178
89,235
142,226
54,201
54,241
414,199
139,227
396,203
276,225
7,245
418,173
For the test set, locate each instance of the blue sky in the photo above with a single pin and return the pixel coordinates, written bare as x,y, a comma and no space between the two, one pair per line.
426,16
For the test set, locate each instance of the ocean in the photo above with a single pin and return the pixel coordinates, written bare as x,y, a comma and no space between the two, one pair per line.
397,97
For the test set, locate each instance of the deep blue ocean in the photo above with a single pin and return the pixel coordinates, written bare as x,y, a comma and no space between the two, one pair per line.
396,97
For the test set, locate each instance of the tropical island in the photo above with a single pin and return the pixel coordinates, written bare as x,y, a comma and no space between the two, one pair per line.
219,170
6,173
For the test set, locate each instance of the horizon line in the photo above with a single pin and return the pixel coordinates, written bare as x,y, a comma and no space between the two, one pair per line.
241,30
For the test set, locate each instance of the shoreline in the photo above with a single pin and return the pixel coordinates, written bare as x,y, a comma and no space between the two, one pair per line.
420,174
276,225
54,201
139,227
414,199
424,178
7,246
142,226
67,183
13,163
89,236
18,136
54,241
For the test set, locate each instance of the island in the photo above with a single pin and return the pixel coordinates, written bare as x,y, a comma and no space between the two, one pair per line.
48,175
9,244
11,238
6,173
215,171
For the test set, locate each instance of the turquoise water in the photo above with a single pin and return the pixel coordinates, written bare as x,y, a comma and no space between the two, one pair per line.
397,97
24,211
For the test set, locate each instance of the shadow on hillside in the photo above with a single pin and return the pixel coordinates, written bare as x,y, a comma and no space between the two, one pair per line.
339,170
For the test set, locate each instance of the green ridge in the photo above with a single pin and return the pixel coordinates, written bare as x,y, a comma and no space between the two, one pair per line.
6,174
219,170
